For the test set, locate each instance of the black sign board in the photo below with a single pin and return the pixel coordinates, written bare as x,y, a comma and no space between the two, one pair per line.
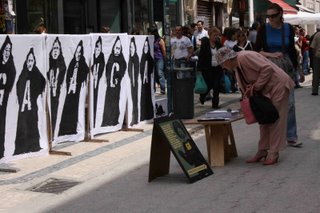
170,134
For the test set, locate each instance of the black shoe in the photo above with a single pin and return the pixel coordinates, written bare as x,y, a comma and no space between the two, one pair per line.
215,107
314,93
163,92
298,86
201,100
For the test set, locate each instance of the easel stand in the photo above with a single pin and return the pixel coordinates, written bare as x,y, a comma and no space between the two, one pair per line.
126,126
8,170
49,130
88,137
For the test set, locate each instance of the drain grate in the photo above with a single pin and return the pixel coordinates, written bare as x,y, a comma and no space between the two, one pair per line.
53,185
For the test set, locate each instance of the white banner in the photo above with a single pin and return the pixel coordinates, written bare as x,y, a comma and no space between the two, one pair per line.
68,58
23,129
108,82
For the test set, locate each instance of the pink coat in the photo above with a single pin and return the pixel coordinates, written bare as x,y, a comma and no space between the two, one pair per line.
267,77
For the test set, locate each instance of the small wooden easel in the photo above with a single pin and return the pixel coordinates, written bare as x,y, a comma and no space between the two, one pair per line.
87,137
50,135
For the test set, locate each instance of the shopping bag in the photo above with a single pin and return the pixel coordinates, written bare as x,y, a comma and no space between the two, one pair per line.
247,111
200,85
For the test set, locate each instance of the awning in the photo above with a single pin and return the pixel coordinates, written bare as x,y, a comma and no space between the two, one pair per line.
304,9
287,9
303,18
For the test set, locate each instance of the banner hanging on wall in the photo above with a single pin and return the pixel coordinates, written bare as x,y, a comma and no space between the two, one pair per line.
68,58
23,128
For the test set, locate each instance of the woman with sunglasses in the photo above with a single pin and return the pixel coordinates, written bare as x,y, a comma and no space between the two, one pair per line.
242,42
275,40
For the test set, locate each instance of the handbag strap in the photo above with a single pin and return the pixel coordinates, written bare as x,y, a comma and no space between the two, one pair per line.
247,93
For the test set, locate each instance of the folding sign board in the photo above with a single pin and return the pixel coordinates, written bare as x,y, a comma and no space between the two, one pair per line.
171,134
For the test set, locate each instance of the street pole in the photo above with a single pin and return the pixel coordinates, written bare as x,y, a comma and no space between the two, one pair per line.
167,33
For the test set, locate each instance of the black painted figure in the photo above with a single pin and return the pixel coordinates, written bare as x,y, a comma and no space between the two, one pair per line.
7,76
97,71
133,69
56,75
76,79
30,86
115,70
146,69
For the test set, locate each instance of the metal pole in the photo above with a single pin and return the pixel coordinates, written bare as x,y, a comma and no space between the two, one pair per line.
251,15
167,33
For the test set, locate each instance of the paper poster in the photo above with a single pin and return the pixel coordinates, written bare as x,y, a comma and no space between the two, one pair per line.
108,82
68,61
23,130
141,72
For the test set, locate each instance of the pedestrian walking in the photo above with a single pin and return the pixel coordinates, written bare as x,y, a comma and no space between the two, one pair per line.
316,63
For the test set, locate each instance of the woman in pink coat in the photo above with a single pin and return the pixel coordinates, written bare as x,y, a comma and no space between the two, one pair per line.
266,78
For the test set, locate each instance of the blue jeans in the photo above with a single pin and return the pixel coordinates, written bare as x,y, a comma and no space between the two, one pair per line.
292,123
159,67
305,62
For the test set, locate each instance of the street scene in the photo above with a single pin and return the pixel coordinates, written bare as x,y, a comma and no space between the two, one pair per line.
113,176
160,106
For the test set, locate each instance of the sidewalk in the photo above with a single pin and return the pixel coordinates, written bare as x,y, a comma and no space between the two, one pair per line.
113,175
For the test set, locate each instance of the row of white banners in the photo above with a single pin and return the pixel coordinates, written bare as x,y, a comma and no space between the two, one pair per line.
117,69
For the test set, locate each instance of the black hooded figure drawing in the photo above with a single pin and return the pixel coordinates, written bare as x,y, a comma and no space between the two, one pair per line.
97,71
55,75
133,69
30,86
7,76
146,69
76,79
115,70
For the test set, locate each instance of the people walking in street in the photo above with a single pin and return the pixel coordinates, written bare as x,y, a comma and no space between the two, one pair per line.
315,44
200,33
255,72
209,67
304,51
253,32
182,48
159,56
275,40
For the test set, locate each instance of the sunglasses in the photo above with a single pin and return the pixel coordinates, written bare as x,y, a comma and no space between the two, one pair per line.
241,35
272,15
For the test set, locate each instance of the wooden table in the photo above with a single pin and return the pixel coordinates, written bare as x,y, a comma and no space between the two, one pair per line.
219,138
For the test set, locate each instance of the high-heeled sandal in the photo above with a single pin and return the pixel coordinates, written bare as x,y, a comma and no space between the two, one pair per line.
271,159
261,154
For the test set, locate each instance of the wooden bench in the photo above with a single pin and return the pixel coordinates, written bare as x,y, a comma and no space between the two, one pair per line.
219,139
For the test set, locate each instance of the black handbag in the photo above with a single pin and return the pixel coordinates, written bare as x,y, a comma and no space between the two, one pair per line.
263,109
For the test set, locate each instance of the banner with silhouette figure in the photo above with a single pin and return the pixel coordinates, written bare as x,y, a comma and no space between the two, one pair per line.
23,127
108,82
67,58
141,73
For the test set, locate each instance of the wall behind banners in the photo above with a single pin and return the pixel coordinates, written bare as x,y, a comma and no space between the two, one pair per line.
14,146
42,45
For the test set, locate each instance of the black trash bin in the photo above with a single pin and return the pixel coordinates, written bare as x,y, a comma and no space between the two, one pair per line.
182,95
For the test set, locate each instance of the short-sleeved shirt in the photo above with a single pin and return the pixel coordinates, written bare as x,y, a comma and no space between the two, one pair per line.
199,35
315,44
180,47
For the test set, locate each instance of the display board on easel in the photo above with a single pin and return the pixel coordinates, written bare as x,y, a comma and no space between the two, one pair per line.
169,134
